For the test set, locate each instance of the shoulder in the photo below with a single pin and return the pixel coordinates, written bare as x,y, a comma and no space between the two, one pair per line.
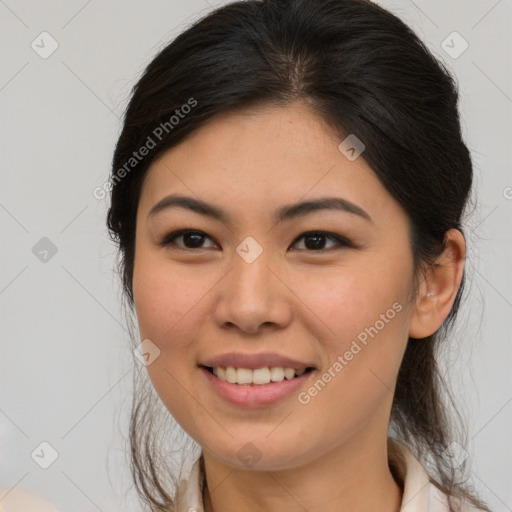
439,502
21,500
189,495
420,494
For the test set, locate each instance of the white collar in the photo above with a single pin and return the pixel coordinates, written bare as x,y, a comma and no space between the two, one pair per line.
419,494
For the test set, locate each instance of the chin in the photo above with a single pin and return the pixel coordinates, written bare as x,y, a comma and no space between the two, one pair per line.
254,455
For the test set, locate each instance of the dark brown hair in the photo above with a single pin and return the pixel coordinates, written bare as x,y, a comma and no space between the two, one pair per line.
364,72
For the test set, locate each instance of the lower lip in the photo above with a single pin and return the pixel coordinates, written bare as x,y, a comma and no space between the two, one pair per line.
257,395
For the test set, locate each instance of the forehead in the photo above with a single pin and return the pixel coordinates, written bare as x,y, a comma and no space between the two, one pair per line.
291,135
251,160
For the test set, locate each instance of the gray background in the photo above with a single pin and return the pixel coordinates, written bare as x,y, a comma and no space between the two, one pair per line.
65,365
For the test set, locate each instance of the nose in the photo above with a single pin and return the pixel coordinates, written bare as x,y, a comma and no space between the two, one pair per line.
253,296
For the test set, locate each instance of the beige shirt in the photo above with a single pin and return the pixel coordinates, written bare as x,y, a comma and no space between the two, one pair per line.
22,500
420,495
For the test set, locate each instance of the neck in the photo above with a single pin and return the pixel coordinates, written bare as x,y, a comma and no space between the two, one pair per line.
350,478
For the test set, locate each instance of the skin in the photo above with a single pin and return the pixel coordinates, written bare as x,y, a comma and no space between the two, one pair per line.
194,303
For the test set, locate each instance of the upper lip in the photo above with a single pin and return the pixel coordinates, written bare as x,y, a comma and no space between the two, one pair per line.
253,361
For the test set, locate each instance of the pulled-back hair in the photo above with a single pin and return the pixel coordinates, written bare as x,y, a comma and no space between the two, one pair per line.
364,72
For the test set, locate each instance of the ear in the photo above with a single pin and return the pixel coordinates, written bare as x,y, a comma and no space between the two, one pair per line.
438,287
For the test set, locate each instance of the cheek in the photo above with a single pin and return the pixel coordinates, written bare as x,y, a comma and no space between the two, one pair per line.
346,300
365,315
165,298
167,304
356,384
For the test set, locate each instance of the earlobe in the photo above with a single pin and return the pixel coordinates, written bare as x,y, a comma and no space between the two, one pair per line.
438,287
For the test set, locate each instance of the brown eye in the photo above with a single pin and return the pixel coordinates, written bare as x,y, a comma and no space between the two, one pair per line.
315,240
191,239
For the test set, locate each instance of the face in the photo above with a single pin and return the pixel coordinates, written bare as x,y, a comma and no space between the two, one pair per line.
337,299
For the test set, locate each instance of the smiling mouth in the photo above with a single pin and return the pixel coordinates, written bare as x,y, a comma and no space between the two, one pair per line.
258,377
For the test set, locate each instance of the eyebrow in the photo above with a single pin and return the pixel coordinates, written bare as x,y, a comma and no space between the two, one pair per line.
282,214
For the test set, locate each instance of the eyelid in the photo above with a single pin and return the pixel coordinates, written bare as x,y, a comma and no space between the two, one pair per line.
340,240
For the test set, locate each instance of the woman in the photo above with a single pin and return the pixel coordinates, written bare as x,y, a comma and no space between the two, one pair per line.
287,194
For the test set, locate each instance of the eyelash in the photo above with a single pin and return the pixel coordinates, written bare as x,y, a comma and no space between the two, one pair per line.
341,241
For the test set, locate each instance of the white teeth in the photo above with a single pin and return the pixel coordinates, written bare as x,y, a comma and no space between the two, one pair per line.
243,376
259,376
231,375
289,373
277,374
